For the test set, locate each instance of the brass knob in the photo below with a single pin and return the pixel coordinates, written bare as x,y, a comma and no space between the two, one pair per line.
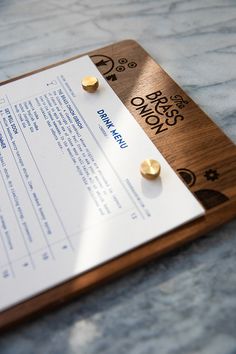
150,169
90,84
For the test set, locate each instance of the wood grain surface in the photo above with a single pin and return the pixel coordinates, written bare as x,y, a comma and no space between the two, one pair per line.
200,153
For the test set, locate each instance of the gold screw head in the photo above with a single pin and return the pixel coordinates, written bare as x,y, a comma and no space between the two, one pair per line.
150,169
90,84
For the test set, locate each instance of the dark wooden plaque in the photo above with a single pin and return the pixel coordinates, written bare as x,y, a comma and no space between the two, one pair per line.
199,152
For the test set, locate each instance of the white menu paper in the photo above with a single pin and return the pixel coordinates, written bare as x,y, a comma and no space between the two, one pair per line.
71,194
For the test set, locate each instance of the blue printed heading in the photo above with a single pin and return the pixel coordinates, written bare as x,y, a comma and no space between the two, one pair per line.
112,129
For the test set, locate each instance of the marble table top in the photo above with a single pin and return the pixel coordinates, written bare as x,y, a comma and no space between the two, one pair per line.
184,302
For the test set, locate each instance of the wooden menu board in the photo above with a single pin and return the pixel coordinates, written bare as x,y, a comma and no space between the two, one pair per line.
199,152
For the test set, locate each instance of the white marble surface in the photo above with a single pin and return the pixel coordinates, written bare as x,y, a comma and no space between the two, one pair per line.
185,302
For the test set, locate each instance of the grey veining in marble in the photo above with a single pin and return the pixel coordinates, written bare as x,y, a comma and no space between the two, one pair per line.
184,303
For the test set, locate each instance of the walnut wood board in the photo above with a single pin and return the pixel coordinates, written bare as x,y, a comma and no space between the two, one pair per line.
199,152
